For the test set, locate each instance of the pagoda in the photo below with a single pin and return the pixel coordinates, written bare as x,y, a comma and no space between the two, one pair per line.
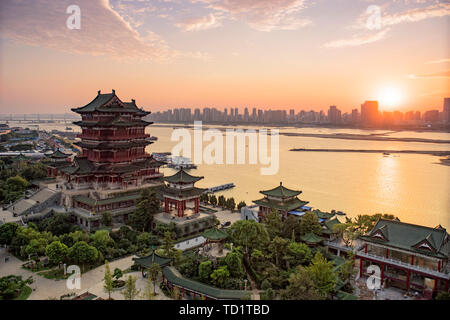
282,199
181,197
112,146
112,166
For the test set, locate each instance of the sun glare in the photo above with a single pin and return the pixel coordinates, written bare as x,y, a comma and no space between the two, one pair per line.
390,97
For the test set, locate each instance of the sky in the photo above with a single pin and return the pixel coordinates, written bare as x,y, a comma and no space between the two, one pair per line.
269,54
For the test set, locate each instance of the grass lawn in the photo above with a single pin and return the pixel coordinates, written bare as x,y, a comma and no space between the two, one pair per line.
24,294
54,274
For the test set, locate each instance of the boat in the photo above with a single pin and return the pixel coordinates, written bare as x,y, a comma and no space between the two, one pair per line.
386,154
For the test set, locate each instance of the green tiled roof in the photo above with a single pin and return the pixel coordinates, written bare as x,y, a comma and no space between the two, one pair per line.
322,215
147,261
182,176
311,238
281,192
289,205
58,154
174,277
98,104
20,157
330,223
409,237
215,234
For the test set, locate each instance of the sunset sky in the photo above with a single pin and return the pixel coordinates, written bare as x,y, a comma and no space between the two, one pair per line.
301,54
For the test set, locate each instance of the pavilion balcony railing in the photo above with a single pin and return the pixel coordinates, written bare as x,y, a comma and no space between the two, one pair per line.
112,137
399,263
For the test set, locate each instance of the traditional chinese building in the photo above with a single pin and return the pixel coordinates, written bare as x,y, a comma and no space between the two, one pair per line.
281,199
55,162
409,256
113,142
181,197
112,166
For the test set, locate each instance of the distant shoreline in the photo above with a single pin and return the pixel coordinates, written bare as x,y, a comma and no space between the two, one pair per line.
343,136
429,152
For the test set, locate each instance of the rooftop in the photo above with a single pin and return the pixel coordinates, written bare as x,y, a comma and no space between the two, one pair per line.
281,192
410,237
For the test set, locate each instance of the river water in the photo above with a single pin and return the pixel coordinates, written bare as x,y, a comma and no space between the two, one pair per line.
414,187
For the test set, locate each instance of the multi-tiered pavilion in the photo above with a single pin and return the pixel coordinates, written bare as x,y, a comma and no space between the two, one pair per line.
281,199
113,142
113,166
181,197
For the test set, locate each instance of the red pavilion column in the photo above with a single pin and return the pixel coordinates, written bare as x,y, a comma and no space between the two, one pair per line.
408,274
382,274
196,205
166,205
360,266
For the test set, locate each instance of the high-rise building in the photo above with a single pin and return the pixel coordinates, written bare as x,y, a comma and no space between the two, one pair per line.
334,115
369,113
446,110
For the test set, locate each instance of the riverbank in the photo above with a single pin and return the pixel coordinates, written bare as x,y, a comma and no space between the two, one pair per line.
430,152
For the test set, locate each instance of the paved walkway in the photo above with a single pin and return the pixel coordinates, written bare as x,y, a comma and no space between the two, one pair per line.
46,288
141,284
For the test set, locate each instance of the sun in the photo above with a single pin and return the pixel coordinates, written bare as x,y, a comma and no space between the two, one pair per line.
390,97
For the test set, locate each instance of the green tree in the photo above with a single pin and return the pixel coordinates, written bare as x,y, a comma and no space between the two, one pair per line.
240,205
301,287
220,276
213,199
82,253
58,224
221,201
231,204
16,184
233,261
149,290
205,270
300,253
147,206
291,227
107,218
8,232
130,291
273,223
321,272
11,286
108,280
278,247
56,252
145,240
249,235
117,274
309,223
154,270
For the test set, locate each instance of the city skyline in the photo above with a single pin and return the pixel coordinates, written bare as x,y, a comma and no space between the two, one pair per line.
295,54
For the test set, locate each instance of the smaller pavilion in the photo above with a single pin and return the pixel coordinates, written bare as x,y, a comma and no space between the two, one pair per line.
212,236
55,162
311,239
147,261
281,199
181,197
